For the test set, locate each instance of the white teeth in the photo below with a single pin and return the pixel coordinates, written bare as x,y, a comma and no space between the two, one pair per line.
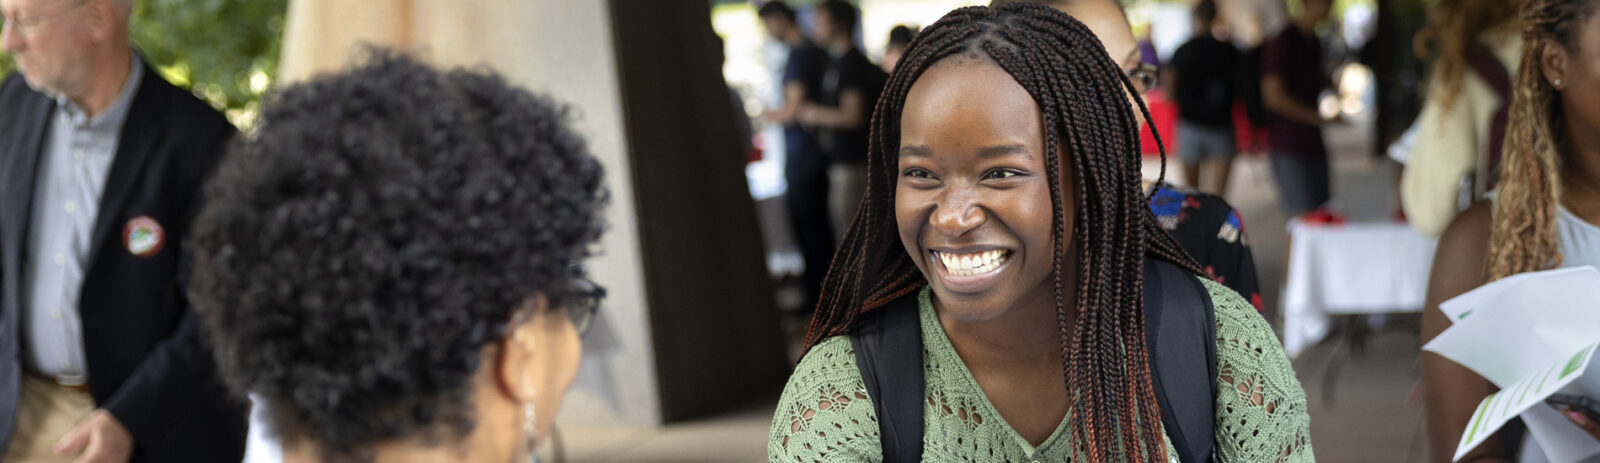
972,264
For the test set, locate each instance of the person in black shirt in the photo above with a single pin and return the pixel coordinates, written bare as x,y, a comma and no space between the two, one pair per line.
1203,84
850,86
805,169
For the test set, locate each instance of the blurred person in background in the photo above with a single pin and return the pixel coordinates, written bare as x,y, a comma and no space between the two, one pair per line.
805,169
839,115
1254,136
899,38
975,227
1292,80
393,264
1545,212
1474,45
101,165
1205,225
1202,76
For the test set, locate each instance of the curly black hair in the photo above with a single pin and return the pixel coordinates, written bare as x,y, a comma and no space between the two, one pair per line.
358,253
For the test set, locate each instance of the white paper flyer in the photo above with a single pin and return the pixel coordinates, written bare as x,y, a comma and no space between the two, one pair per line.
1532,335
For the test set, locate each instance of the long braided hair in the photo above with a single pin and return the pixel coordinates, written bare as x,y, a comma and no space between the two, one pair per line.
1082,95
1522,236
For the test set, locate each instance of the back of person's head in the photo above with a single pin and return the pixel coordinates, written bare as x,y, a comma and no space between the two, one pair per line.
899,38
1523,234
777,9
1455,28
842,13
1205,12
901,35
1101,233
383,232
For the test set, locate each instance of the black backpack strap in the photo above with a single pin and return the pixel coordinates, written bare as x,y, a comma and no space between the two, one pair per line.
1179,324
888,347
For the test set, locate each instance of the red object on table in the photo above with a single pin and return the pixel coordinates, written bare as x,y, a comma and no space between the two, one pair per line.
1323,216
755,154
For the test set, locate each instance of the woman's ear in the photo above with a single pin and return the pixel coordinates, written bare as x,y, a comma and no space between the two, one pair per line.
513,368
1553,62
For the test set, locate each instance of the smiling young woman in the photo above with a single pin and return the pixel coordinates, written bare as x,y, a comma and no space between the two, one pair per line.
1005,204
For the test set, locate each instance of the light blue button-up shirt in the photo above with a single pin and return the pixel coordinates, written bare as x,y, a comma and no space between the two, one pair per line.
77,158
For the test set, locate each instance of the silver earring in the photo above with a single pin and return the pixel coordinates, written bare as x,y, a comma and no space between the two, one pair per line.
530,427
1557,83
530,424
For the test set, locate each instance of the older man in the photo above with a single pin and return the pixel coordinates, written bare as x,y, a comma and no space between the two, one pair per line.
101,163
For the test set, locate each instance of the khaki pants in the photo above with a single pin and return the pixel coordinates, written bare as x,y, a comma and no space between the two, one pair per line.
48,412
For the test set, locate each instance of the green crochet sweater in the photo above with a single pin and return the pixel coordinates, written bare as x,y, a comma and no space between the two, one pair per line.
826,416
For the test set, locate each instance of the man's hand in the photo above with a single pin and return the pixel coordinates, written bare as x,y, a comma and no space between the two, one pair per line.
777,116
100,438
807,114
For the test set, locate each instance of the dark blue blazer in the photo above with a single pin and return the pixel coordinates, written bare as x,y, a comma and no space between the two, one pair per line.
147,363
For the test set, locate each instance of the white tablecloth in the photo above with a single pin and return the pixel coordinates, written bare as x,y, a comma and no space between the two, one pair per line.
1361,268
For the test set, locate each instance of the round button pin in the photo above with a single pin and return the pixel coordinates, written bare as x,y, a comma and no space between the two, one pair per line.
143,236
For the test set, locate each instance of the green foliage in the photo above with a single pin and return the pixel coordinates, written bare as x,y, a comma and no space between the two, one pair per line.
213,47
225,51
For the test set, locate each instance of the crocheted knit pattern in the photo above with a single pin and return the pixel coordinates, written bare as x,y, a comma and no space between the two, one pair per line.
825,414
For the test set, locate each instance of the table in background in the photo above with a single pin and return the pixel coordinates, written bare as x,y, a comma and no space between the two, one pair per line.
1352,270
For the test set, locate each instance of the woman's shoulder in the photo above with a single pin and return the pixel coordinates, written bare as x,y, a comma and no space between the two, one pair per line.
1258,395
825,413
1244,338
1247,348
1469,230
1239,314
832,360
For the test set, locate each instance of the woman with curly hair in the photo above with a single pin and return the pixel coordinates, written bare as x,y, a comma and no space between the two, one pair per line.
392,263
1005,214
1542,216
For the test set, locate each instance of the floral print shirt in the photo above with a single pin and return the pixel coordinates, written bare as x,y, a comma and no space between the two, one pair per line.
1213,233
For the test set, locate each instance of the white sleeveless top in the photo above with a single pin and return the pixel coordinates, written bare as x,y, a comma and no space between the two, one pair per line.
1580,245
1579,240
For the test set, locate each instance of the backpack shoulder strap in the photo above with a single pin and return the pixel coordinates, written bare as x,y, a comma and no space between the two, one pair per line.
1179,324
888,350
1494,73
